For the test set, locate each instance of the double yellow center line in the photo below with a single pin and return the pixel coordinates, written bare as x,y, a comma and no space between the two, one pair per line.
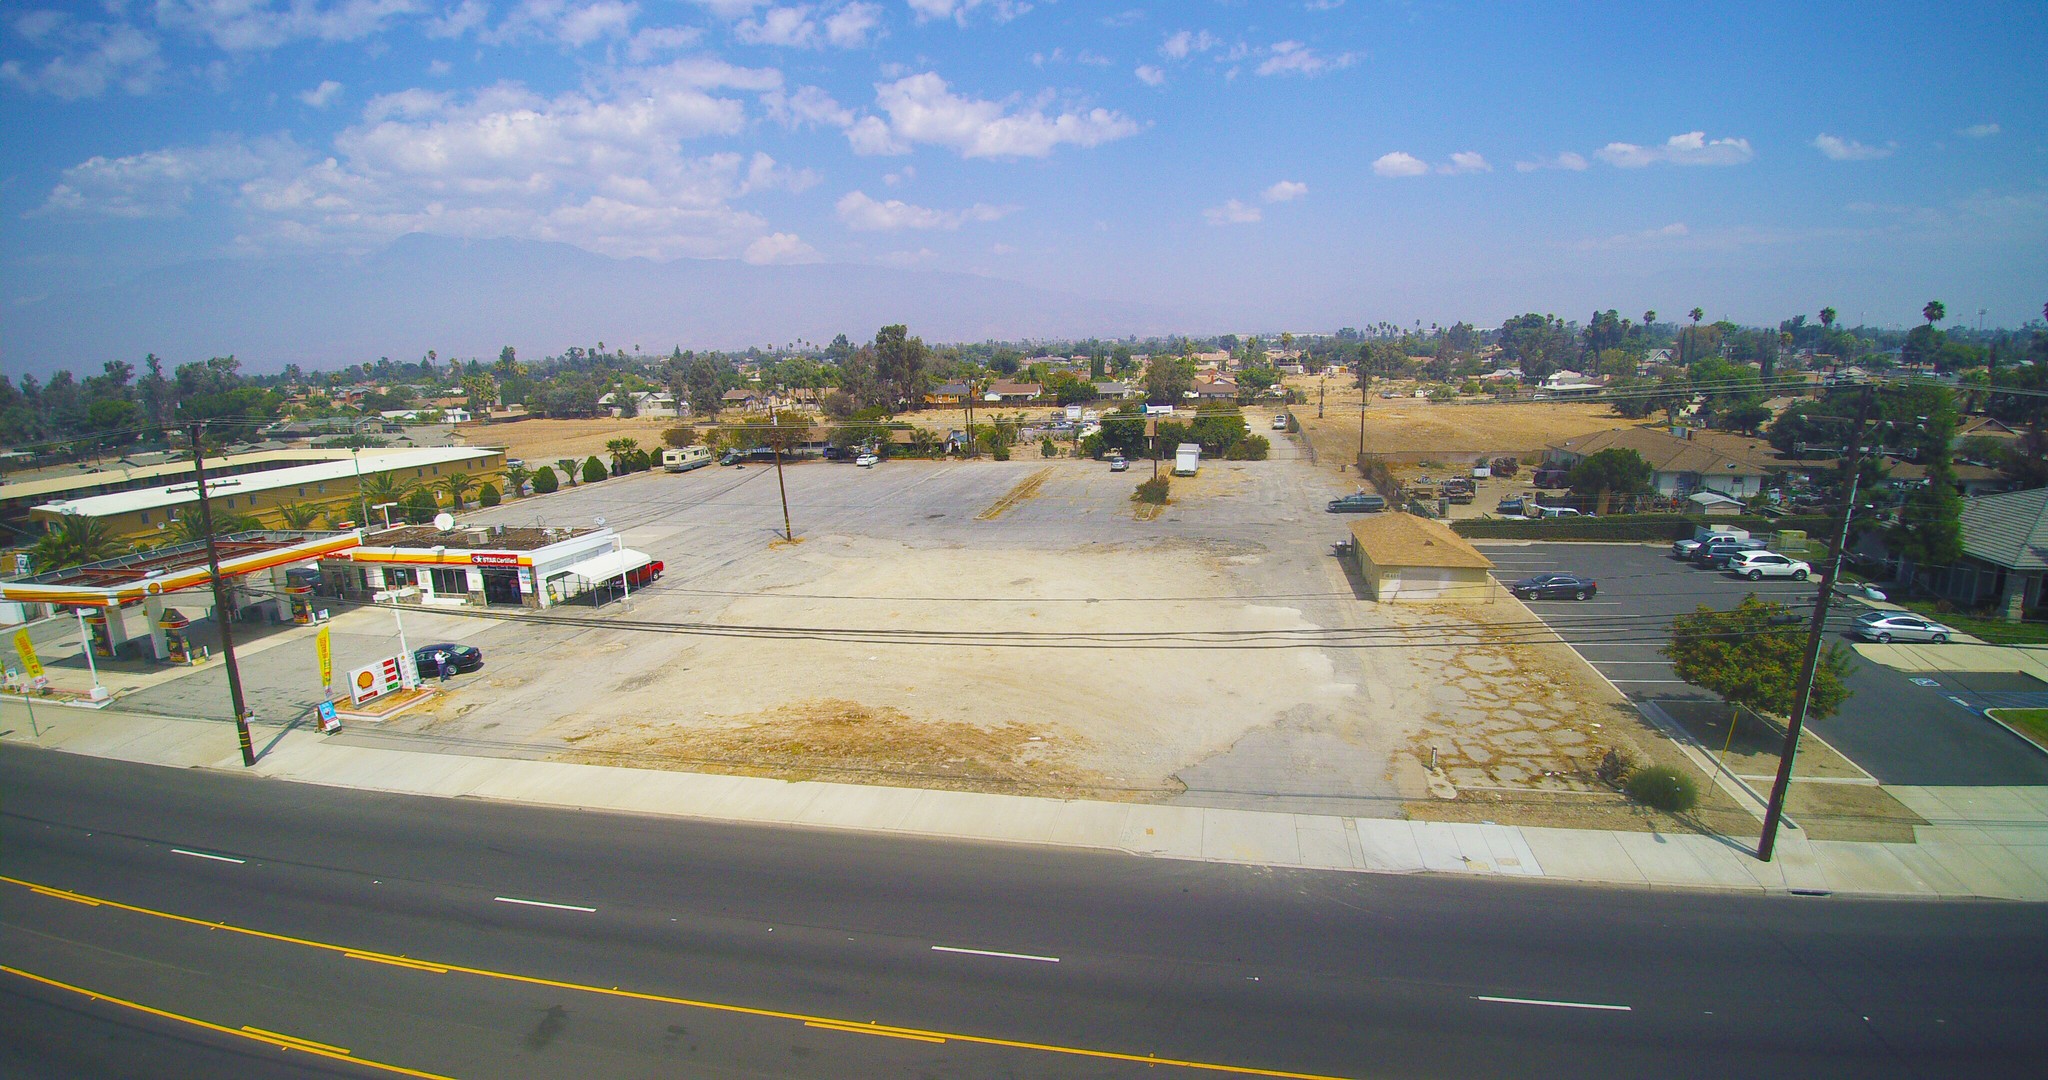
826,1023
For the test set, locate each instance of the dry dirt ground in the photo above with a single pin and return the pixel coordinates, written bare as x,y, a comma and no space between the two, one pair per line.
1459,432
540,442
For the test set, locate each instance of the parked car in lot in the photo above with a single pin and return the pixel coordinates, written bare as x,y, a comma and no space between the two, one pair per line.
1887,626
1280,422
1512,506
459,658
1757,565
1358,504
867,461
1119,463
1716,551
1555,587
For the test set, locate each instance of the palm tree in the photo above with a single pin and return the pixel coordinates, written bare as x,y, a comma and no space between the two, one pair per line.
189,529
1696,315
1934,312
458,485
377,489
298,515
75,541
1649,322
568,467
1827,318
515,480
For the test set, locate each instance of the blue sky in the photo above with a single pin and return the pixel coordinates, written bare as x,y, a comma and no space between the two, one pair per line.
1283,165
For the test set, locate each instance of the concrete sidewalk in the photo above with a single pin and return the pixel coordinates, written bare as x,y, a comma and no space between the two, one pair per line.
1980,842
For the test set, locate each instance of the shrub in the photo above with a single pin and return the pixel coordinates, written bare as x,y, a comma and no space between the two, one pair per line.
1249,448
1046,448
1152,491
1002,451
679,435
1614,767
487,495
1663,787
593,470
545,481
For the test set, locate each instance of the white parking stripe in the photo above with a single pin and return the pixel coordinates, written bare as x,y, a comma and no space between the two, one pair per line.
542,903
204,855
1554,1004
1000,955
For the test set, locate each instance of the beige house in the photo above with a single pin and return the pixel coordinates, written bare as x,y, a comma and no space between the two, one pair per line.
1405,557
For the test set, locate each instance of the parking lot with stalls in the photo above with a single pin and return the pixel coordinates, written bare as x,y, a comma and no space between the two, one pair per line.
1899,727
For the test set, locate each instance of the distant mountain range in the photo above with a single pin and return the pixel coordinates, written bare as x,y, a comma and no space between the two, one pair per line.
469,298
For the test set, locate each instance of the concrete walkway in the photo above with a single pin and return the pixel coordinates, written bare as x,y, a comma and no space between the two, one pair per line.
1980,842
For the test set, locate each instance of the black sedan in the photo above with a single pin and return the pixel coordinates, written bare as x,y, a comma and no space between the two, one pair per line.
1554,587
458,658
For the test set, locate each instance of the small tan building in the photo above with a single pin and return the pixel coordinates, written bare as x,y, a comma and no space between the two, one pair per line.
1405,557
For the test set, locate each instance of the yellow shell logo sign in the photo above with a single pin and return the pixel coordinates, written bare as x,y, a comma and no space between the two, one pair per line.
365,679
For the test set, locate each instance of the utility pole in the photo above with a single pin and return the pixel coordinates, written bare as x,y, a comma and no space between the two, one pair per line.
223,612
1808,665
1321,384
775,443
967,402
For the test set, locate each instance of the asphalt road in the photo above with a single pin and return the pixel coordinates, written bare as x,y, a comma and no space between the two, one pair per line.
752,952
1900,731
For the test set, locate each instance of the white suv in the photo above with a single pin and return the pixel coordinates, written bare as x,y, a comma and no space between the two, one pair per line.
1757,565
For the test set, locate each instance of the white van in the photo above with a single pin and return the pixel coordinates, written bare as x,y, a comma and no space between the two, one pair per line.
1558,512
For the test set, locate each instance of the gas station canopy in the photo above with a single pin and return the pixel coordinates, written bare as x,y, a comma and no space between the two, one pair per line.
132,577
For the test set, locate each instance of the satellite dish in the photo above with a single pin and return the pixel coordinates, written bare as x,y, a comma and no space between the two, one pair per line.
444,522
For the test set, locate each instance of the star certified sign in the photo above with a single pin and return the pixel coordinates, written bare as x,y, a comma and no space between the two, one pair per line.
492,558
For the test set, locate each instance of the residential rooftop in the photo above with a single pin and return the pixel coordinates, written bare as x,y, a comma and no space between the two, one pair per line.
347,467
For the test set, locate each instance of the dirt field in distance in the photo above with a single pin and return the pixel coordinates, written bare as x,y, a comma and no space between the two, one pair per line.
1411,426
540,442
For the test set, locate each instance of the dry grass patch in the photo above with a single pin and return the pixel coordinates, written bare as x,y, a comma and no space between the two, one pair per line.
832,739
1024,489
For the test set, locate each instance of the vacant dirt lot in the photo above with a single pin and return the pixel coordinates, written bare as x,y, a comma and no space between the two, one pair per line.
1410,426
540,442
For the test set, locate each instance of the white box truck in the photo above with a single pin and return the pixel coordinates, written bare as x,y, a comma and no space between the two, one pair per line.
1187,458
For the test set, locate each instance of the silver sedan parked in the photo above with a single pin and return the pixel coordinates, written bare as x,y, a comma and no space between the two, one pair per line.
1887,626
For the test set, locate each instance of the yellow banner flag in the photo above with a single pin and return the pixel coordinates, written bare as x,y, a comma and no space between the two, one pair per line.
324,645
27,649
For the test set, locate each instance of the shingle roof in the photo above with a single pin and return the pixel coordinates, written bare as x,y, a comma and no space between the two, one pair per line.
1395,539
1666,453
2009,530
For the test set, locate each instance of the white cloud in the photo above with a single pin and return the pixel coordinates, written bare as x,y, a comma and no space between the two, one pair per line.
808,105
1646,238
91,57
1150,76
249,25
1465,161
853,26
1000,11
922,109
157,183
322,95
1285,191
580,26
1839,149
859,212
780,248
1691,148
1180,44
1232,213
439,67
901,176
1566,160
609,172
1294,58
655,40
459,20
1399,163
789,27
909,259
1978,131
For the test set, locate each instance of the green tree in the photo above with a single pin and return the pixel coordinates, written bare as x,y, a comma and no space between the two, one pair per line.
458,485
187,528
593,470
901,365
487,495
515,480
74,541
1168,379
377,489
298,515
1934,312
1615,470
679,436
545,481
421,505
567,466
1751,658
